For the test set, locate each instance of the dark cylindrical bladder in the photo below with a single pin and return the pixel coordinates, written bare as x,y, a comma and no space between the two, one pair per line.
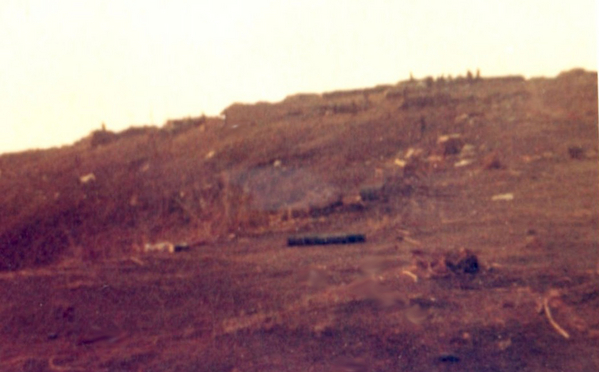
326,239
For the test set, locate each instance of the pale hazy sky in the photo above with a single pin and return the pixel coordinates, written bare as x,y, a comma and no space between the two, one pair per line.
66,66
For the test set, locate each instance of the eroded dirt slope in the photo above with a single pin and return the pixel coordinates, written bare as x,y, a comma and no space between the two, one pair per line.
478,200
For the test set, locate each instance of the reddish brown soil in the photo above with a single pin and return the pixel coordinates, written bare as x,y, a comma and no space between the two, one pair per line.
80,294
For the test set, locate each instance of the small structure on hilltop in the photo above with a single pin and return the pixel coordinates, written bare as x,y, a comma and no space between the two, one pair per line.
178,126
102,137
249,114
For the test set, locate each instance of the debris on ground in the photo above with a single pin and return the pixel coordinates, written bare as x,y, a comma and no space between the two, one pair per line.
552,321
463,163
400,163
448,358
407,239
166,247
325,239
426,266
443,264
446,137
506,197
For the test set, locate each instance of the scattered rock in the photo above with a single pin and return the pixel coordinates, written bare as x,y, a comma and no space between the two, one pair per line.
576,152
446,137
428,266
159,247
531,158
87,178
492,161
463,163
468,150
462,262
413,152
461,119
400,163
434,159
451,144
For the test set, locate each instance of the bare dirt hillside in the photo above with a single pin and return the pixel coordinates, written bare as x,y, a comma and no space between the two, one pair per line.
477,198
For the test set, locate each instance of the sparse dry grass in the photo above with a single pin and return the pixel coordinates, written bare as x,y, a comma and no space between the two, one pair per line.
80,296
